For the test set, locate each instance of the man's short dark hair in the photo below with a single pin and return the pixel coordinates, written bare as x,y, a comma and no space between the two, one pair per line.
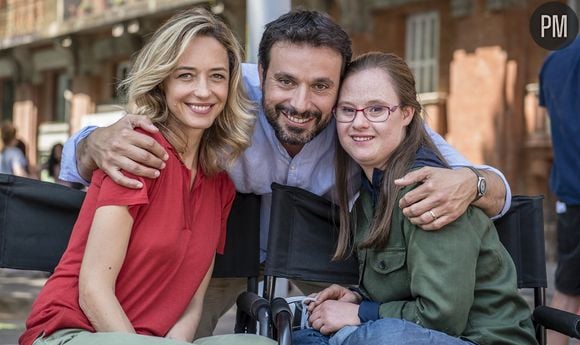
311,28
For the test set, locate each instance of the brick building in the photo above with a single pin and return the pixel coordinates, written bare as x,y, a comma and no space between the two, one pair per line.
474,60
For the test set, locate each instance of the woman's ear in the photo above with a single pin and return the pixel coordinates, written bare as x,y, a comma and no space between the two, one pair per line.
408,113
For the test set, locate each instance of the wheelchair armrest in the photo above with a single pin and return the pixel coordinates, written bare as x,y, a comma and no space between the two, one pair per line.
254,307
558,320
282,317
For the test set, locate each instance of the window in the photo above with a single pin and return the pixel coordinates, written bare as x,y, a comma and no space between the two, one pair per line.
422,49
62,98
7,97
462,8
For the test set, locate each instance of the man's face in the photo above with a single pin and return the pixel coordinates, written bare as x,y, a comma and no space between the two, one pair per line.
299,91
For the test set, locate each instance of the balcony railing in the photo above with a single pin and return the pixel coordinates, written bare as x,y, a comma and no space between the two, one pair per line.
26,21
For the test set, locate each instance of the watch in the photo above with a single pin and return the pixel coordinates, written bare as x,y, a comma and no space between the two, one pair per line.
481,183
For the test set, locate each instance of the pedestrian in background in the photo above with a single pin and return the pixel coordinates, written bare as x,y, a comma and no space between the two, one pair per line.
12,159
559,91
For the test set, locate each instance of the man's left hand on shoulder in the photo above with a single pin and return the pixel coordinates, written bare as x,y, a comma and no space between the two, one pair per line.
442,196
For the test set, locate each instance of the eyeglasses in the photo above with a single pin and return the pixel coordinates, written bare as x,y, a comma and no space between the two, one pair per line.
373,113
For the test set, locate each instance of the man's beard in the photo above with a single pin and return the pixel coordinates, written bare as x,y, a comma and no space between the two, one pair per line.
289,134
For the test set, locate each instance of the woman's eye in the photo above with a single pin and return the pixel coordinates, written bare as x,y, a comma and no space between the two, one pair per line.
346,110
218,76
376,110
184,76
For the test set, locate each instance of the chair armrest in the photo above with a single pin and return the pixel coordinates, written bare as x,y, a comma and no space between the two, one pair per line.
282,317
558,320
256,308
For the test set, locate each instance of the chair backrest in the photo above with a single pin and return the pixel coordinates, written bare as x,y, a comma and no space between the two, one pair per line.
242,252
521,231
302,238
36,220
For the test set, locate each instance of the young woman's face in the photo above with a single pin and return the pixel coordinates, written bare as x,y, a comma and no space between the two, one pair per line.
197,90
370,144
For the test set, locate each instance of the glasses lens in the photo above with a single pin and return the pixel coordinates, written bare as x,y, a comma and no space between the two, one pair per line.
376,113
345,114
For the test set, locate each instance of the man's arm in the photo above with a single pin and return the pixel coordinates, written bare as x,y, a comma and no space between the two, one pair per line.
118,147
444,195
114,148
68,163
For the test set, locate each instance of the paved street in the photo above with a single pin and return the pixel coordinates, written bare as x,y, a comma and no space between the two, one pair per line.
17,291
19,288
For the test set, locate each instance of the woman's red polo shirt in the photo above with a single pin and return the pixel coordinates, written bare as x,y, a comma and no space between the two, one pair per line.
175,235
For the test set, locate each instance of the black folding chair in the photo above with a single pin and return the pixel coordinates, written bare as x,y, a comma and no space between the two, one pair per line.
303,235
521,231
36,219
302,240
241,257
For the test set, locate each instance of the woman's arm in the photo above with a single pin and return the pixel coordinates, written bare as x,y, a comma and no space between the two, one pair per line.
185,328
104,256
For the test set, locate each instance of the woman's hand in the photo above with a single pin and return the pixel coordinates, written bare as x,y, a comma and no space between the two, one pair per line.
336,293
331,315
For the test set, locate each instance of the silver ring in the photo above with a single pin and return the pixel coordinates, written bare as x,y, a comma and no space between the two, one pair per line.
433,215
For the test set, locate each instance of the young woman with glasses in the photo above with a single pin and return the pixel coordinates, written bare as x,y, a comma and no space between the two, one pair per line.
454,286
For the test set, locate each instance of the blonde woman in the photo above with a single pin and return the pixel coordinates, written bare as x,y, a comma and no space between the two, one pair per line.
139,260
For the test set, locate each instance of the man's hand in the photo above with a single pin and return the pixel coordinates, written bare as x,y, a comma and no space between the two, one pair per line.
445,194
118,147
330,316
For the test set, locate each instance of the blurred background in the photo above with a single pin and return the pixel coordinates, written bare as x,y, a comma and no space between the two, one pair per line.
475,63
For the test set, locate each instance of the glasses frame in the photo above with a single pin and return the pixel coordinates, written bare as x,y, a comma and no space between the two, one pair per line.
390,110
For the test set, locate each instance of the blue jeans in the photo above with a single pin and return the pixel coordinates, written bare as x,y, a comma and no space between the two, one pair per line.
380,332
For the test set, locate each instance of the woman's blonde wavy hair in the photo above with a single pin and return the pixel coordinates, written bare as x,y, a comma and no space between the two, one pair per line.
231,132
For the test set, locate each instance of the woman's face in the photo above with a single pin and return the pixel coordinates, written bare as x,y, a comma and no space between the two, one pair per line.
197,90
370,144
